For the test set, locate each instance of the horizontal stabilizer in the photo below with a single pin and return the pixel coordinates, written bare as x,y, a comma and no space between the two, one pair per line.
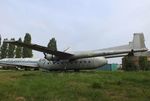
138,42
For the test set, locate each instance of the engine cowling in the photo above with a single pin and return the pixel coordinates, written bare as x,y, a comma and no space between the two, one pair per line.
50,57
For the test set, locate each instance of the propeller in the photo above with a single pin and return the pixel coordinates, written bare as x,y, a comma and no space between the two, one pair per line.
66,49
49,57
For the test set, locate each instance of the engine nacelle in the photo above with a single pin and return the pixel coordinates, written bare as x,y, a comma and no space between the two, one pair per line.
50,57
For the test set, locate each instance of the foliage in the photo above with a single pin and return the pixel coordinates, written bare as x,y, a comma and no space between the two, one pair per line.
136,63
52,44
27,52
4,49
0,40
129,65
11,50
144,64
19,50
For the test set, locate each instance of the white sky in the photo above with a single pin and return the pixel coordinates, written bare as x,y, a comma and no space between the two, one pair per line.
79,24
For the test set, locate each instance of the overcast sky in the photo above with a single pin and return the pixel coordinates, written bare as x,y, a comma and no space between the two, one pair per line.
79,24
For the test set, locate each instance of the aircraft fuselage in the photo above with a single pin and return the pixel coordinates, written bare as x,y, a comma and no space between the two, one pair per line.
80,64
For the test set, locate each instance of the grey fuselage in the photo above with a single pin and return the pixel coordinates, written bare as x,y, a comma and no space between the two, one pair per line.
79,64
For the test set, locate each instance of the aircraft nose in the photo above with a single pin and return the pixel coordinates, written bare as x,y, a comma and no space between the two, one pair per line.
104,60
101,61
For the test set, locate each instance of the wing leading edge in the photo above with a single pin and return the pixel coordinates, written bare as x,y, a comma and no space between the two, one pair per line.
60,55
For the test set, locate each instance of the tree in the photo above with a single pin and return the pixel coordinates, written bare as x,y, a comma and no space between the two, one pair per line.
129,63
143,62
19,50
26,51
0,45
0,40
4,49
52,44
11,50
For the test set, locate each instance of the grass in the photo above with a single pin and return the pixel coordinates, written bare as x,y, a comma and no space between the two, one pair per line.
73,86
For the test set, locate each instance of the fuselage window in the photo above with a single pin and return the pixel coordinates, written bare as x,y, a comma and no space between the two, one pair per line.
89,61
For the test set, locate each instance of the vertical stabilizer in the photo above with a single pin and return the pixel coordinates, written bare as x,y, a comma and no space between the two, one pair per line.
138,41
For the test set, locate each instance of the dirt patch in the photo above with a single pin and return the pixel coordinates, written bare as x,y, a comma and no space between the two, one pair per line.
20,99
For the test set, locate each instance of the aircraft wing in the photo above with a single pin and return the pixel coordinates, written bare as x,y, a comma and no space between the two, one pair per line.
106,54
78,55
59,54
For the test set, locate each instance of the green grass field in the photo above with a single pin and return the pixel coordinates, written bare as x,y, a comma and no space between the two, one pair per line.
74,86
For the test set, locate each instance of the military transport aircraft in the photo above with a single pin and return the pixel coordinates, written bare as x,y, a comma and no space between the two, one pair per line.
58,60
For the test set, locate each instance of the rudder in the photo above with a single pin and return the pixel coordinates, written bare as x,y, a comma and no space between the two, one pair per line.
138,41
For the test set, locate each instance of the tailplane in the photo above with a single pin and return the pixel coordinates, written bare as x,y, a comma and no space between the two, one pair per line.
138,42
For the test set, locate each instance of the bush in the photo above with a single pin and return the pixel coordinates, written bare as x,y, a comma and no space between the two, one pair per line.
143,62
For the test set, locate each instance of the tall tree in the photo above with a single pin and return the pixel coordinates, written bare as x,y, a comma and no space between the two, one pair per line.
19,50
4,49
52,44
0,40
11,50
26,51
0,45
